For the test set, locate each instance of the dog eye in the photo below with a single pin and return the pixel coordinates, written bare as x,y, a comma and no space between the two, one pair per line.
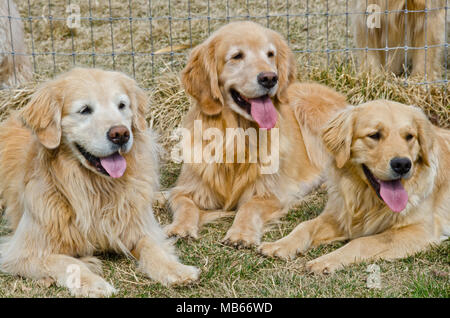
86,110
122,106
409,137
270,54
375,136
237,56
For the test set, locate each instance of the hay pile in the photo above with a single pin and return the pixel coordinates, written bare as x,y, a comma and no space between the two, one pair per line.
434,99
13,99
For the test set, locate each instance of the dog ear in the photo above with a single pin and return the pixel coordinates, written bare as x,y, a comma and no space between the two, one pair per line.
200,79
139,115
139,102
43,115
286,66
139,107
425,135
338,134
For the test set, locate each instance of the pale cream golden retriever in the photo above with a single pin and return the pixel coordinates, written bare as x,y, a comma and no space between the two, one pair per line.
242,82
388,188
78,172
14,68
416,29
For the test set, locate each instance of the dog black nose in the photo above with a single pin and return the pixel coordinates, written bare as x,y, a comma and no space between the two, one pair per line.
119,135
401,165
267,79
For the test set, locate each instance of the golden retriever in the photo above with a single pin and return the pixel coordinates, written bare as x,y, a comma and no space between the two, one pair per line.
388,190
14,69
418,29
242,82
78,172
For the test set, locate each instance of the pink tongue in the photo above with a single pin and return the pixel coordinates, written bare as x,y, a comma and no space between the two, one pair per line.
394,195
115,165
263,112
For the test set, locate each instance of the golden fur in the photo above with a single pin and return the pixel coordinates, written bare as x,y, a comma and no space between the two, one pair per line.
354,211
60,208
257,198
15,69
421,30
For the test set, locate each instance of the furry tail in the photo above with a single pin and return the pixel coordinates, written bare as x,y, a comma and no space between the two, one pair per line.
212,216
206,216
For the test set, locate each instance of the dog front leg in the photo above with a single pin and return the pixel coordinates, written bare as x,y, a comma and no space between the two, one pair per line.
33,251
65,270
74,274
186,218
158,261
248,224
323,229
391,244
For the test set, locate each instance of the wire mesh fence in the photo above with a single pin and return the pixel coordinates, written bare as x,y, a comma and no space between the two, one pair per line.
145,38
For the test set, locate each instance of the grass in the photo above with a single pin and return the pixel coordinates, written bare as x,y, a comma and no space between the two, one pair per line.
226,272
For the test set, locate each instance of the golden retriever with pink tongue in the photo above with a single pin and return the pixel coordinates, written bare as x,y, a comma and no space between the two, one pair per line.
242,81
78,173
388,188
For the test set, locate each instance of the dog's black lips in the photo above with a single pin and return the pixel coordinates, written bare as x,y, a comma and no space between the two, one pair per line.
373,182
93,160
241,102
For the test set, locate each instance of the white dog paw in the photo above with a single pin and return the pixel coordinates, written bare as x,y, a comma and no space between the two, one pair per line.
284,248
92,286
182,275
323,265
278,250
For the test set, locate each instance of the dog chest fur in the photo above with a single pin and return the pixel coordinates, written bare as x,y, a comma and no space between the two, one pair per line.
233,183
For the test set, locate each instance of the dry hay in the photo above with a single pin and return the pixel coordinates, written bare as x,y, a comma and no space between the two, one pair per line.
12,99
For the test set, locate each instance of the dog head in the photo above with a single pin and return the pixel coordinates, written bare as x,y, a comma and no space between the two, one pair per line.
95,113
243,66
385,143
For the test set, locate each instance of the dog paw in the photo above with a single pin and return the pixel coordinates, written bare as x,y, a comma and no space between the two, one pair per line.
182,275
322,266
278,249
91,286
45,282
182,231
241,239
